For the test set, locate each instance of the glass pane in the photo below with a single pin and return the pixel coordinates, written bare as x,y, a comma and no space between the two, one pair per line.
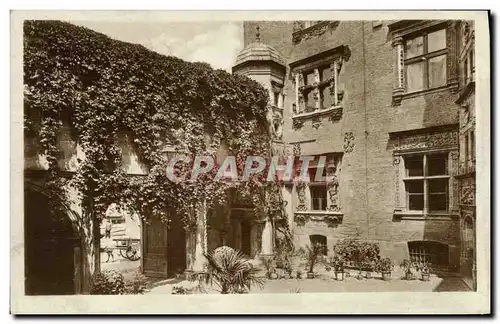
416,202
437,71
326,73
438,186
310,101
438,202
414,166
309,79
414,47
326,97
437,165
415,76
436,41
415,186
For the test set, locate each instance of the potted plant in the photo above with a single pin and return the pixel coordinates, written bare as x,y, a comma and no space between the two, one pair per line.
338,266
299,274
424,269
313,256
408,268
385,267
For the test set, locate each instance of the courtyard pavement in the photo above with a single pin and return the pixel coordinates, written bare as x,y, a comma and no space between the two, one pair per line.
324,282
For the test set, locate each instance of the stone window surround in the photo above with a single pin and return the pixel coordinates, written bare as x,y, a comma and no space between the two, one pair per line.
444,141
333,214
402,30
333,57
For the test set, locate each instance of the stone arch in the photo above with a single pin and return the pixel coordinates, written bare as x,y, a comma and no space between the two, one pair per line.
54,263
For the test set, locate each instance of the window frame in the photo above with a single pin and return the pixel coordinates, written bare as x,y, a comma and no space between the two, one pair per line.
426,179
425,57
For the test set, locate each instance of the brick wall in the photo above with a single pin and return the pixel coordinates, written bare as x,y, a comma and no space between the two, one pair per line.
366,177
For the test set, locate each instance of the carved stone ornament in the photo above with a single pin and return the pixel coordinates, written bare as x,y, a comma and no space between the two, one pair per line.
335,115
277,126
420,141
467,195
333,194
316,122
296,149
348,142
301,195
301,219
297,124
396,160
316,30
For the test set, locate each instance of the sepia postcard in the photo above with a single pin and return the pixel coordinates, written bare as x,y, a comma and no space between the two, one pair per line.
286,162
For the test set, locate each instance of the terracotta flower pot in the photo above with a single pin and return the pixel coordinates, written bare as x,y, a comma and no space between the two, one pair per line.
425,276
368,274
386,276
273,275
310,275
339,276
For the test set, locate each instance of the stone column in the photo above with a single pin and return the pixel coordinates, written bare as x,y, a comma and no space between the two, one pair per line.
317,96
200,238
237,233
398,91
335,71
267,239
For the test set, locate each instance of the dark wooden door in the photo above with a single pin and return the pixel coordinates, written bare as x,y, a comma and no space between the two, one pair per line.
246,239
155,245
49,248
176,247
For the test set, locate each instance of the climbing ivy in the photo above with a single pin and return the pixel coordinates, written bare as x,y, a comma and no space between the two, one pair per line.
107,90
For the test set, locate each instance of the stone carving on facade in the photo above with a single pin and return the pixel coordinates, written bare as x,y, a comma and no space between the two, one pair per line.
296,149
301,195
395,161
277,126
420,141
301,34
333,192
316,122
348,142
297,124
335,114
467,195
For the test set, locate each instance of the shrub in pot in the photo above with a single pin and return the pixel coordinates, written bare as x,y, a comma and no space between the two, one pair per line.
338,264
313,254
408,268
385,267
424,269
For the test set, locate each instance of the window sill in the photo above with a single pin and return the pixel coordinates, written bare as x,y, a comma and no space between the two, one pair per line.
411,215
334,110
399,94
332,218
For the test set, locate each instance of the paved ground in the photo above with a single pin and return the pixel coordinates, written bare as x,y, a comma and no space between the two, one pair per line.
327,283
324,283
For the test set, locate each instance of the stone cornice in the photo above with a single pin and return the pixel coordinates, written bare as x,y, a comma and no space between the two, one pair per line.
330,55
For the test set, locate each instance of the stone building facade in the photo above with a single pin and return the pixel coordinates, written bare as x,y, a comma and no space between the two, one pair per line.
467,170
377,98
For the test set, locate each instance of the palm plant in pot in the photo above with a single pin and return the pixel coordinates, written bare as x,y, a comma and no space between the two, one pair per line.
313,254
385,267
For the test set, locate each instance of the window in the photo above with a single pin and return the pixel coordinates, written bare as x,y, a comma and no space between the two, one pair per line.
434,253
317,88
466,147
427,182
321,240
276,99
472,146
318,196
425,61
469,66
318,191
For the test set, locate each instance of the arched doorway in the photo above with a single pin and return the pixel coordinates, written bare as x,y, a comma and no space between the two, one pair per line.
51,265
